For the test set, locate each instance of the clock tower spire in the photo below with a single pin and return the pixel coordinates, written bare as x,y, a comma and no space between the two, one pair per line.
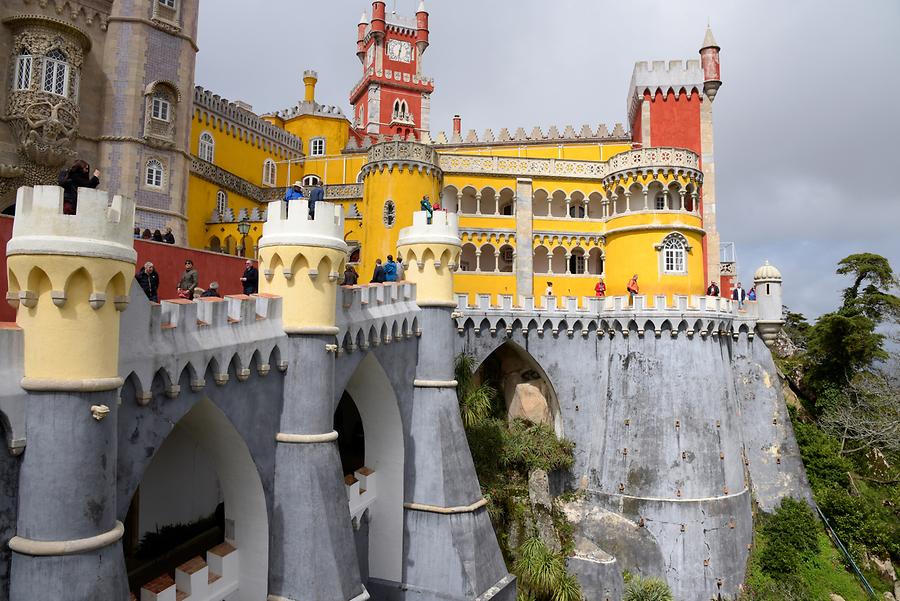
393,97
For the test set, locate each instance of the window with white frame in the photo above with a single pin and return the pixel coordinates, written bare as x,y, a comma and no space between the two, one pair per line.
673,249
168,3
154,174
312,180
270,172
661,201
161,109
206,147
23,70
56,73
317,147
221,202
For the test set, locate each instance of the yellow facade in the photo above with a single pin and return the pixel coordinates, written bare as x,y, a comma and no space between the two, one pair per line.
582,226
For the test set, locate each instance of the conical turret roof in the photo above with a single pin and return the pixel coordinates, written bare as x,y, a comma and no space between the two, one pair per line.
709,41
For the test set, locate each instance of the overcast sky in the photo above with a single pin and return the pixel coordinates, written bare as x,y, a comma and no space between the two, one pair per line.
807,124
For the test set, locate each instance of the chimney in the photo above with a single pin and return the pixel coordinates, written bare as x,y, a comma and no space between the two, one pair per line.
309,83
457,125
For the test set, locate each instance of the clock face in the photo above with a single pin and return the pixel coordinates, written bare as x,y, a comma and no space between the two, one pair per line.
400,51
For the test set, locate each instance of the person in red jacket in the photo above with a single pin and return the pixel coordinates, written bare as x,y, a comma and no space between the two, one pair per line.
600,288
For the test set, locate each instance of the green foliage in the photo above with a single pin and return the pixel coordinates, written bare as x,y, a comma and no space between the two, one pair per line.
821,453
542,574
862,521
838,347
873,300
162,540
475,400
646,589
791,537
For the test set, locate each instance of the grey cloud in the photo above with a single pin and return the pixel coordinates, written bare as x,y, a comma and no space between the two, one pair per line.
807,149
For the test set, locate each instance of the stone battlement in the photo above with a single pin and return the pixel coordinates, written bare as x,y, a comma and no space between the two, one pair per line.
584,134
661,75
376,314
100,228
608,315
288,224
443,229
237,114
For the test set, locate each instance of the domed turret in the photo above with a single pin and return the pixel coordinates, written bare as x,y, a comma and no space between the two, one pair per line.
768,297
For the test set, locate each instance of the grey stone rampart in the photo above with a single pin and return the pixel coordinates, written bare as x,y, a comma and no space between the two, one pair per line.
375,314
9,497
657,402
12,397
773,457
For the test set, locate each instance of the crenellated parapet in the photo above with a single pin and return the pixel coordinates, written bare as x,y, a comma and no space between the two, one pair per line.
66,270
608,317
369,316
431,252
301,260
401,155
681,77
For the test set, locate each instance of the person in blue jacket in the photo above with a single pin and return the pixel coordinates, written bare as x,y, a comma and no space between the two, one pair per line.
295,192
390,270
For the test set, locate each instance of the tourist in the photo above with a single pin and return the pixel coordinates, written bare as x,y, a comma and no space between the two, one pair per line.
250,278
137,233
600,288
401,269
350,276
295,192
76,177
378,275
632,288
751,295
390,270
147,234
169,238
197,294
739,295
316,195
148,279
712,289
549,290
189,280
212,291
157,236
426,206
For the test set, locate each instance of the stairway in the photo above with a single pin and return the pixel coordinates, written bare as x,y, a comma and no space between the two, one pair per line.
214,579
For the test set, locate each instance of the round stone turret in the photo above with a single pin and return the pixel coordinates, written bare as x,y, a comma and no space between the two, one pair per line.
302,260
431,253
768,297
69,277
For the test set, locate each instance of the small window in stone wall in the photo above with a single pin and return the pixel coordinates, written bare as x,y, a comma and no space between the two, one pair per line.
160,107
166,10
23,70
389,215
154,174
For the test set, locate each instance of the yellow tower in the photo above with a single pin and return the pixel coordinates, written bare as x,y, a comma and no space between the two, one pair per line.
69,276
431,253
310,78
301,260
397,175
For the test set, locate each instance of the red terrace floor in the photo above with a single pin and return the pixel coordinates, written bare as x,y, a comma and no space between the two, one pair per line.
168,259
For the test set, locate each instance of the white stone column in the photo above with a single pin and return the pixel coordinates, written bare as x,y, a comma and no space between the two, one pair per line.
478,203
628,202
568,207
478,260
459,198
568,263
646,199
681,194
496,261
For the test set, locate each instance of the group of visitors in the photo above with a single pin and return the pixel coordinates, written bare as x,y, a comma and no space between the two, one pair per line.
316,195
188,284
392,271
155,236
737,294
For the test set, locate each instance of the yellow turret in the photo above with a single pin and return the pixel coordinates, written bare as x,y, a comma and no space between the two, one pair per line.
431,254
397,175
69,277
301,260
310,78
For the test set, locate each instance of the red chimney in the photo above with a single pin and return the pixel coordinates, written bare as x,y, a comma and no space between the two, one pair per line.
422,28
378,24
457,125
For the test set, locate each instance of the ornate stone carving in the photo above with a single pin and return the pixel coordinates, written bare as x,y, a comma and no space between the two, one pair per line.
45,123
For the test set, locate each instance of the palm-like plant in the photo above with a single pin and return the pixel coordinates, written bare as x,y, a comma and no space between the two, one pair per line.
475,402
542,574
646,589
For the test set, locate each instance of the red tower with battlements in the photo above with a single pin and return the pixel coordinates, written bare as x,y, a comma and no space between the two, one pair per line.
393,97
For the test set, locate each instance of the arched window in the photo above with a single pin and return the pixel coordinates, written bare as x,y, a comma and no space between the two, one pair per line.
56,73
23,70
270,172
207,147
154,174
661,201
673,249
577,263
389,213
312,180
221,202
317,147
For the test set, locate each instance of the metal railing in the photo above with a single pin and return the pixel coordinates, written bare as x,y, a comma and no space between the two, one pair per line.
837,541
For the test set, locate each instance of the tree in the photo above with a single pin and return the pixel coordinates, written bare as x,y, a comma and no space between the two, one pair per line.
873,300
870,416
838,347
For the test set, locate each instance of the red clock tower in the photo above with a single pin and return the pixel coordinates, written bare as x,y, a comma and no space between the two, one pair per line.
393,97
